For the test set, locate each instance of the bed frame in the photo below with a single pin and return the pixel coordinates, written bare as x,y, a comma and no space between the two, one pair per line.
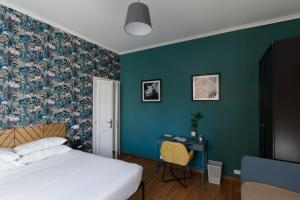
21,135
142,186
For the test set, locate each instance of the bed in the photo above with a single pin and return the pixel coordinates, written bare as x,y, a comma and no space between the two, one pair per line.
71,175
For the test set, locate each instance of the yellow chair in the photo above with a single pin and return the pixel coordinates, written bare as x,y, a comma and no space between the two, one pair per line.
174,153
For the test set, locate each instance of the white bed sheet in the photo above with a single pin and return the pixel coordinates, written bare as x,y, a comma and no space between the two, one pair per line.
73,175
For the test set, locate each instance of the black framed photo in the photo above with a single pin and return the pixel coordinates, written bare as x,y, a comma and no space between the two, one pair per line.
206,87
151,91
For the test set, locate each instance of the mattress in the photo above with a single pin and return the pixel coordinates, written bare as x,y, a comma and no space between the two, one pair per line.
74,175
259,191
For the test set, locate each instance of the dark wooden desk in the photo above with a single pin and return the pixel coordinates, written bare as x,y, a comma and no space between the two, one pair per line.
190,143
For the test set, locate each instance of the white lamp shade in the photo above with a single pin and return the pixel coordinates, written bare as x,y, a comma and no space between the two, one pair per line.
138,20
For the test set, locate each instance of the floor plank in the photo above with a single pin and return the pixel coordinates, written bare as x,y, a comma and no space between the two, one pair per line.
155,189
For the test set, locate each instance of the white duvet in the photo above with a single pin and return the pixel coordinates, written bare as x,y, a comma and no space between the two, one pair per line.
73,175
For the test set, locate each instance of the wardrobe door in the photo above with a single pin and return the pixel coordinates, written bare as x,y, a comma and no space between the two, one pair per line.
286,101
266,116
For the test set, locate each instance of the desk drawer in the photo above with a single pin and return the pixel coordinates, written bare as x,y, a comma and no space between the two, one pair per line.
195,147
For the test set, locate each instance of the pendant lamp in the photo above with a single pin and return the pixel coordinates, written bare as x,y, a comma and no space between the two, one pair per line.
138,20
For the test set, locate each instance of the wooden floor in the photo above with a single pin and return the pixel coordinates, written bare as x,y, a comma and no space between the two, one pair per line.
155,189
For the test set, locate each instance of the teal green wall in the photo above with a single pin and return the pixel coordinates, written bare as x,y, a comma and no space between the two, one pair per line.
230,125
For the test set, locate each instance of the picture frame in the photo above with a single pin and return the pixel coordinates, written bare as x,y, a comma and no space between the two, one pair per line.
206,87
151,91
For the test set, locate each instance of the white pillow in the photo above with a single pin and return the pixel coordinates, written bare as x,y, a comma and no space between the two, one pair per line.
9,165
8,154
45,153
28,148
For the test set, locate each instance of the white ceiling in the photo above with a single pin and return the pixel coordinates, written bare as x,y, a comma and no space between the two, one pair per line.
102,21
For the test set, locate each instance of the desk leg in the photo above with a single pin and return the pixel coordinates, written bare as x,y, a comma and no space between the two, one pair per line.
203,166
204,163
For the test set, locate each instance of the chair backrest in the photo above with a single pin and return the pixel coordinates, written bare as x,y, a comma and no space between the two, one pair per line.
174,152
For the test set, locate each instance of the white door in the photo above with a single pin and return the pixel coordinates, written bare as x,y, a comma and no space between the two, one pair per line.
103,118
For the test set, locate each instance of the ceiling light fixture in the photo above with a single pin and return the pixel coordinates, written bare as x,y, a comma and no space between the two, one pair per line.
138,20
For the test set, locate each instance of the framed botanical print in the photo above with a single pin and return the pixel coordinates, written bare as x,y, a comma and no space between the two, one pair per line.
151,91
206,87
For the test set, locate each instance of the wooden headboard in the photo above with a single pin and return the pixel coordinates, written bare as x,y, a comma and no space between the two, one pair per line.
16,136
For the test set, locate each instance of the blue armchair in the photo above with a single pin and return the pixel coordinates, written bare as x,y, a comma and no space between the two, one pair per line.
269,178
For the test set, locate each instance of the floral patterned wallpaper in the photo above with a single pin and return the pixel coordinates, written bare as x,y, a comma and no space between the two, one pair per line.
46,75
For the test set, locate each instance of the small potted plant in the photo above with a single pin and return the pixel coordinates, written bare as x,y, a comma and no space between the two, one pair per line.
195,119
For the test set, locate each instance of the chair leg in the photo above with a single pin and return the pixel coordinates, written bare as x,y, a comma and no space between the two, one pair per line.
163,175
181,180
191,173
184,185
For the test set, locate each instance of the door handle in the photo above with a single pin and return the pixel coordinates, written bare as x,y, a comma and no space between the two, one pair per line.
110,123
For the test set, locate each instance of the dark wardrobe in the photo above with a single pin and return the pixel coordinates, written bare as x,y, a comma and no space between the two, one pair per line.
280,101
